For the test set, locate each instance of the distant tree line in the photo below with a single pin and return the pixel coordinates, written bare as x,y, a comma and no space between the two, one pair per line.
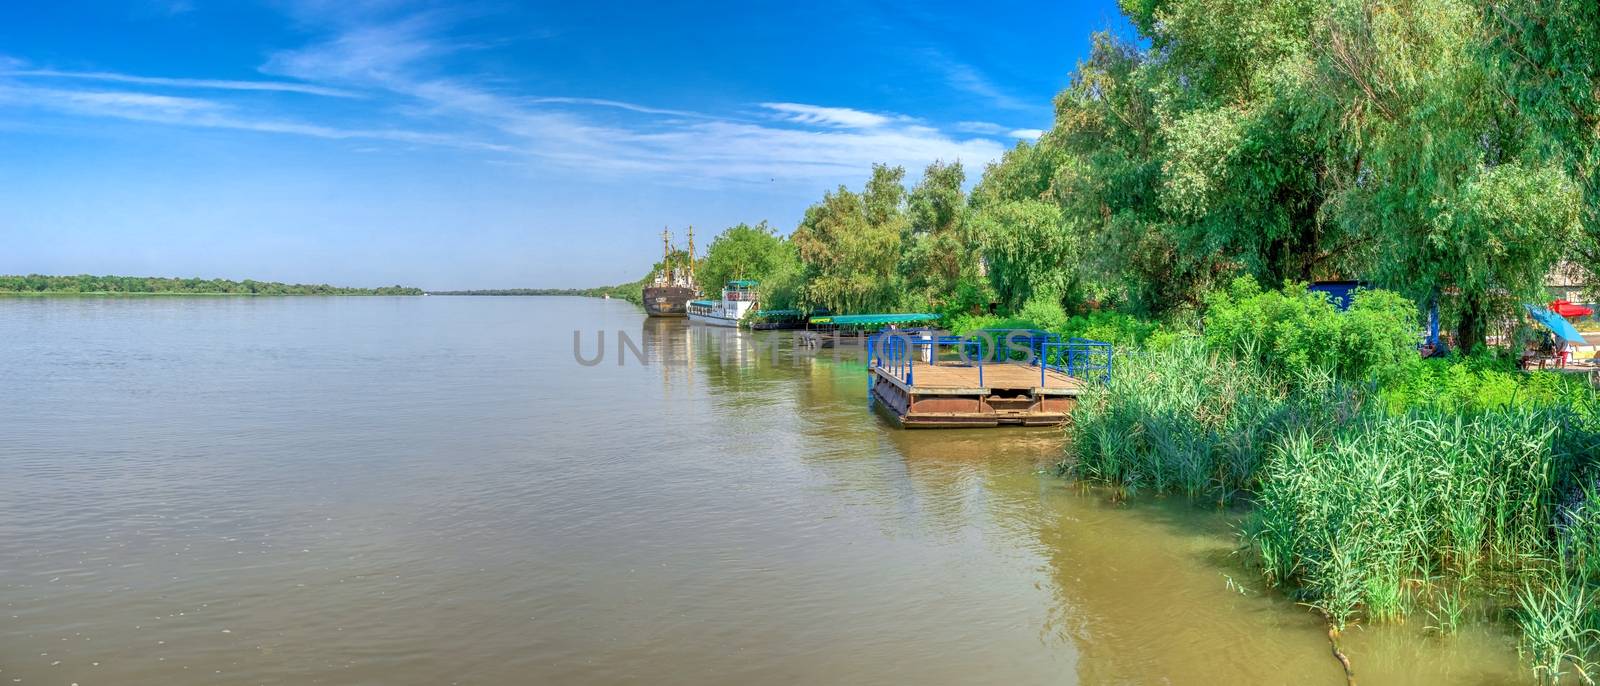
85,283
628,291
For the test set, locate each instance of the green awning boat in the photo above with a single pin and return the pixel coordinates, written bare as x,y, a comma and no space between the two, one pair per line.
876,319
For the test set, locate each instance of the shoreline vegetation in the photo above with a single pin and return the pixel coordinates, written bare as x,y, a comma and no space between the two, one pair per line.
630,292
88,285
1381,486
1440,153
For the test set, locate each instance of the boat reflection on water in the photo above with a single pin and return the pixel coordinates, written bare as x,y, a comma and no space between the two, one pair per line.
668,349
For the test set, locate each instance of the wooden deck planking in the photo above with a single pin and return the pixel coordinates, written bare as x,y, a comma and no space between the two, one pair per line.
949,395
995,376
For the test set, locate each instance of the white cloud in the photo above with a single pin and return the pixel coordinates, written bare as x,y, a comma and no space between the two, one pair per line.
1027,134
983,127
817,141
120,104
840,117
599,102
219,84
969,79
164,109
750,151
394,66
364,53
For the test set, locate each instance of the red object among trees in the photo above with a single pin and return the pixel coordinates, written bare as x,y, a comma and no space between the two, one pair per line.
1566,308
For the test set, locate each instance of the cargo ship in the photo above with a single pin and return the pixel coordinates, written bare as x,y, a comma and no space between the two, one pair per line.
669,293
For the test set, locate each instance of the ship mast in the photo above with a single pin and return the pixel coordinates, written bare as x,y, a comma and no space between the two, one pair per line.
691,253
666,256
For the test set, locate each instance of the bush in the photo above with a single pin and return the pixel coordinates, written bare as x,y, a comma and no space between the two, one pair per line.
1044,312
1120,329
969,298
1296,332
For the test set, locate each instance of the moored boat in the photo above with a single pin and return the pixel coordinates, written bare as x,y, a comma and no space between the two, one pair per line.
667,300
828,331
738,299
769,320
668,295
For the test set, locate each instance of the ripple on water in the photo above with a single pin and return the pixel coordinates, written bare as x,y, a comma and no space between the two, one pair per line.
429,490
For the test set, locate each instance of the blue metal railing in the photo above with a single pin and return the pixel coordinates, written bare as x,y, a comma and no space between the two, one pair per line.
1025,345
891,352
896,351
1079,358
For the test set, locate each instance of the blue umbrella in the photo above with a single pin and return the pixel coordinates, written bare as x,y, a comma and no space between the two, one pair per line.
1557,325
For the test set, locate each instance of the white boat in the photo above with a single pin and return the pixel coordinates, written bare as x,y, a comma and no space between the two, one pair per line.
738,299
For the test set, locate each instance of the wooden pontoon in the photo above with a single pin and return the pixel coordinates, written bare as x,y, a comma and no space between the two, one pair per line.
982,389
948,395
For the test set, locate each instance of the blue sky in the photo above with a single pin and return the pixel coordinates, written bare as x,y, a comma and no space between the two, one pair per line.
492,144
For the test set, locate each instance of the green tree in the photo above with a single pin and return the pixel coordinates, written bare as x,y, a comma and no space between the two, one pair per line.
1465,205
754,252
86,283
938,250
849,245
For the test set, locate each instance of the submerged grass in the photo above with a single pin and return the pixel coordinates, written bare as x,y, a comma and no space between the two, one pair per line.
1365,513
1556,620
1356,513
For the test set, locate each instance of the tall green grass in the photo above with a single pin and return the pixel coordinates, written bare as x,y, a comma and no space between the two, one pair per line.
1359,515
1479,384
1183,419
1365,510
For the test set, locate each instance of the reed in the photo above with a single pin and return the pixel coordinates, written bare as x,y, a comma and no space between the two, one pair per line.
1556,622
1183,419
1362,512
1449,609
1357,513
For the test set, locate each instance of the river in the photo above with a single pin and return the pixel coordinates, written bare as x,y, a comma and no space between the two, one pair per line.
433,490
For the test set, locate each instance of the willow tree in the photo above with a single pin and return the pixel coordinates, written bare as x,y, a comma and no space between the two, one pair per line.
938,250
1252,157
1548,52
1176,166
1028,249
849,245
1105,151
1460,191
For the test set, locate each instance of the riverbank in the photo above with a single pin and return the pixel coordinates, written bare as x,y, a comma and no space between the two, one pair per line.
630,292
1370,512
86,284
1379,487
200,294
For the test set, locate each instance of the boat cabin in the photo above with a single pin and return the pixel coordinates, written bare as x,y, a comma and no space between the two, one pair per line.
739,297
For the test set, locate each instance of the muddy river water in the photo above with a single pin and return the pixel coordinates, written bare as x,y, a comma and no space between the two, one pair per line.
434,491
